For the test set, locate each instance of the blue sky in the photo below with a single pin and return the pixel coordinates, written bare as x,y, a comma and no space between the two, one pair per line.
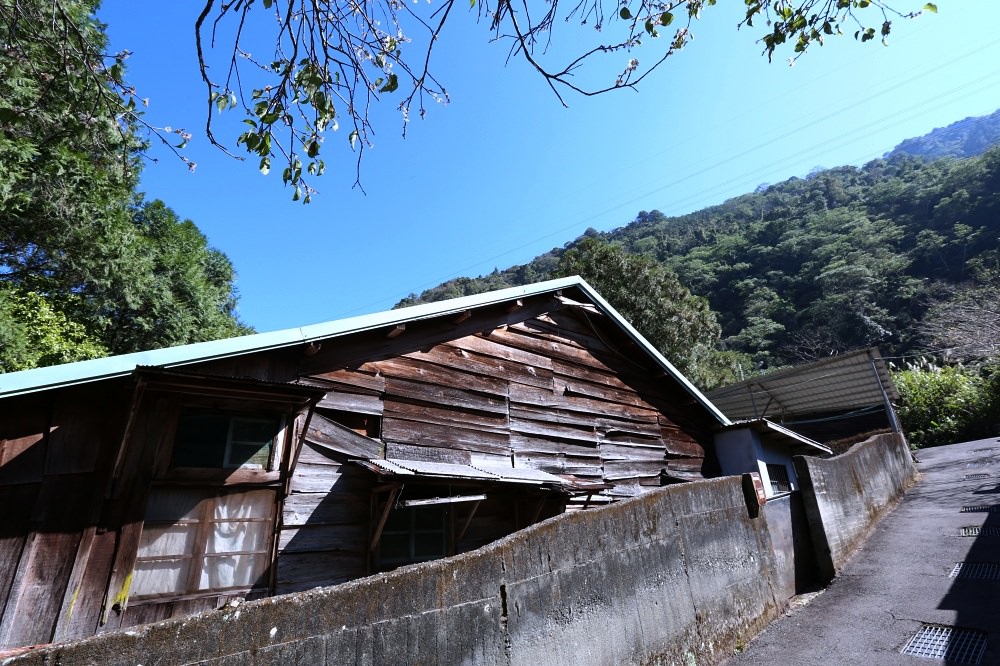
503,172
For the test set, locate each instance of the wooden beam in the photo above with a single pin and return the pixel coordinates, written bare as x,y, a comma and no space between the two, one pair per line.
396,331
538,510
377,536
468,521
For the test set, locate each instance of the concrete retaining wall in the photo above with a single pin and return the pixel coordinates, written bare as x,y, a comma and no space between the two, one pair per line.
846,495
681,575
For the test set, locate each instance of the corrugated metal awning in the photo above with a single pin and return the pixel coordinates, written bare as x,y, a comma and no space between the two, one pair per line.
493,473
849,381
795,442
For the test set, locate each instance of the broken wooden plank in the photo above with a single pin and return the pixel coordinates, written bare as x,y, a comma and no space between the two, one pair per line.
327,433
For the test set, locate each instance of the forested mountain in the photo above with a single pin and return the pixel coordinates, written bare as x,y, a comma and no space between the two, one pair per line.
965,138
845,258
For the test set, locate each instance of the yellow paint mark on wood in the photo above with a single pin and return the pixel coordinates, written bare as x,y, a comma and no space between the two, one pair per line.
122,597
120,600
72,603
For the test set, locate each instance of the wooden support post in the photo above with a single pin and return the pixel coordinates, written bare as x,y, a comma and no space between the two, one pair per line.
377,536
468,521
538,510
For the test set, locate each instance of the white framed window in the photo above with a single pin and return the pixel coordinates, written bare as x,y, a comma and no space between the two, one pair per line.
197,541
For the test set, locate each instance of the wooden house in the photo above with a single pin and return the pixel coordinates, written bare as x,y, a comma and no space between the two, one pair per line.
158,484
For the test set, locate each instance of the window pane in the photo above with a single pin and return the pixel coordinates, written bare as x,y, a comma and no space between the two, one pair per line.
399,521
394,547
260,431
222,571
162,540
237,522
231,537
171,504
429,518
160,577
252,456
250,504
250,442
201,439
428,545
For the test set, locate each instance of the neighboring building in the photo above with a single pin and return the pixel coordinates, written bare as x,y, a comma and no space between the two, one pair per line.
767,449
843,397
159,484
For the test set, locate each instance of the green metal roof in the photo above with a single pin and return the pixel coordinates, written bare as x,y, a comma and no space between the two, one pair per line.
40,379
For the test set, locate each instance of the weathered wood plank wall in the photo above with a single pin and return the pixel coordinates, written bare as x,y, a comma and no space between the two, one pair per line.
545,393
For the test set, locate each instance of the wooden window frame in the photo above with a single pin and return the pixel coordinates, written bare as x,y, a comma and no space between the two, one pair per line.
412,532
199,553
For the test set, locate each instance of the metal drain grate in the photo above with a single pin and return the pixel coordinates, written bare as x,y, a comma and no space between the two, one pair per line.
980,531
981,508
988,448
976,571
956,646
980,463
970,477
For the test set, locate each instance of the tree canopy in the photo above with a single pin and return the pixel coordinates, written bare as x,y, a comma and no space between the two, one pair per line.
87,267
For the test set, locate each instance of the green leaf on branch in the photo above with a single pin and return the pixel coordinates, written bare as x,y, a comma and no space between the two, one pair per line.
390,85
625,13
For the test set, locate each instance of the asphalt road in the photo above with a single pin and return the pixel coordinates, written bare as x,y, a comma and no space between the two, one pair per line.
901,579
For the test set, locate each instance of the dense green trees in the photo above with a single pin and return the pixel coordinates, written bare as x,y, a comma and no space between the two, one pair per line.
86,267
846,258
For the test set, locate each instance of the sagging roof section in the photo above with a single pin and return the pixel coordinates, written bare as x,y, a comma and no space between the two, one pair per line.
849,381
416,469
794,441
40,379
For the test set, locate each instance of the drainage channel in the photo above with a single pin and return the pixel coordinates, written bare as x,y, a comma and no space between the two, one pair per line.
970,477
975,531
950,644
976,571
981,508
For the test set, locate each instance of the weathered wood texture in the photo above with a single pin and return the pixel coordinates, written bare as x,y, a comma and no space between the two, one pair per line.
323,535
55,458
542,386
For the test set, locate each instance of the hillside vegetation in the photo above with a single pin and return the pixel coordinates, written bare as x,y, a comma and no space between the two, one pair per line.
844,258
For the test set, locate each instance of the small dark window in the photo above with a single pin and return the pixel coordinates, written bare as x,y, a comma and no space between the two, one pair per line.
218,439
779,478
413,534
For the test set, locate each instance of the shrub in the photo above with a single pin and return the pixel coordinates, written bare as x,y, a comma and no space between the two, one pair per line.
947,404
